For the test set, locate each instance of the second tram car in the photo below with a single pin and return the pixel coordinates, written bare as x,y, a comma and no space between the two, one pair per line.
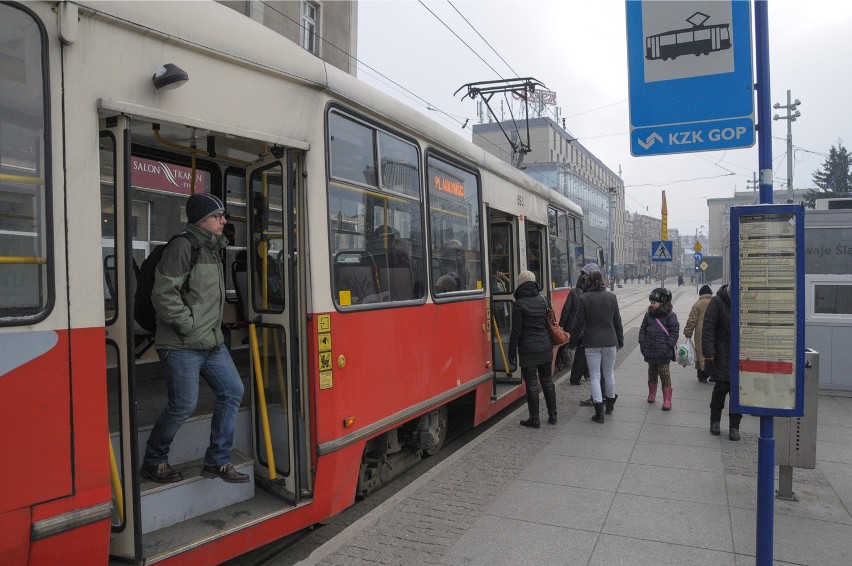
369,278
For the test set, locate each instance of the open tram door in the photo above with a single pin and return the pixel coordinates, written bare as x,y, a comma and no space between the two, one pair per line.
262,324
274,306
504,260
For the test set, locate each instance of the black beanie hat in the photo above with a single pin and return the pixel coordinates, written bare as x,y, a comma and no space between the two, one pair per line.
705,290
200,206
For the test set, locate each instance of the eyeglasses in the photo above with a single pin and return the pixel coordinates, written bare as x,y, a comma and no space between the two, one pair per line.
218,215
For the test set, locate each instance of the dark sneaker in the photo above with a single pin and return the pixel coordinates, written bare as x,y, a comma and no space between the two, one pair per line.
162,473
226,472
715,429
587,403
734,434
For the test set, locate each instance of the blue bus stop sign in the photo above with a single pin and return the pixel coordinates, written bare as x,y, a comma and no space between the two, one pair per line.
690,71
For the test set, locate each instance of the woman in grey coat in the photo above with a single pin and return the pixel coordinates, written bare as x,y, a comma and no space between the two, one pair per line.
599,323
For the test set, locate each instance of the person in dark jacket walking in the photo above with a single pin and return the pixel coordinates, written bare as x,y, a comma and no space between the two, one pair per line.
716,347
657,341
579,368
190,343
529,337
599,323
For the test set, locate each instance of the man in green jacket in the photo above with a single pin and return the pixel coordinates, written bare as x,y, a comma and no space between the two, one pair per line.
190,343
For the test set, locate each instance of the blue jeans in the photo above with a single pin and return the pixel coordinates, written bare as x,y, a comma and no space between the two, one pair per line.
601,360
181,370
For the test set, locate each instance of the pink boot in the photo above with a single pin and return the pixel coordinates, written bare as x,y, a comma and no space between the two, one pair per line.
667,398
652,392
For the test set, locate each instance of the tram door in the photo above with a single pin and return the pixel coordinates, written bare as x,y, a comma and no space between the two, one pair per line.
503,265
274,300
269,444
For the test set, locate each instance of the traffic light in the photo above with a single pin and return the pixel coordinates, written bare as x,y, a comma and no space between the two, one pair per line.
696,268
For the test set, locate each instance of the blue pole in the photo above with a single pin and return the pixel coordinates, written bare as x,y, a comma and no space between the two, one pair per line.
764,107
766,443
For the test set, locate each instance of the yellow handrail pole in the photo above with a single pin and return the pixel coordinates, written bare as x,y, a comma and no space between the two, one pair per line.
22,260
261,396
21,179
115,479
279,368
500,343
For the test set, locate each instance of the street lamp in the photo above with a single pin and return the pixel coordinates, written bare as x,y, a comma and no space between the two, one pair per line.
791,116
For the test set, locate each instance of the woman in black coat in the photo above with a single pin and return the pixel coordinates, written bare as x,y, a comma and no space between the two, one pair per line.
532,341
716,347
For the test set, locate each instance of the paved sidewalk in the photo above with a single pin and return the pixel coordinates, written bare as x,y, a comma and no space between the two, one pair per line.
646,487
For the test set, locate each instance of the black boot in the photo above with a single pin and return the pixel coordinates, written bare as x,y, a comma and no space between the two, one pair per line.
714,428
550,400
610,403
532,404
598,417
734,426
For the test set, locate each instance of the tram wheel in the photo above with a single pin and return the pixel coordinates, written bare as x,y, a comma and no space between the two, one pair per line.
439,421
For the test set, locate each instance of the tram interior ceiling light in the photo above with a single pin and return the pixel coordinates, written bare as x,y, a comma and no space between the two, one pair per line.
169,76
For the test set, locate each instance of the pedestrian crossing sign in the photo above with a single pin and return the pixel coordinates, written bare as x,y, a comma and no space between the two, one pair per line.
661,250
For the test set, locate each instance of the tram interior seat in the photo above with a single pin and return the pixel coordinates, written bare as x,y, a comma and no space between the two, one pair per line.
357,273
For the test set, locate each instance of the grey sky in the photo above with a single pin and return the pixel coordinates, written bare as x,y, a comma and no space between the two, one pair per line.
578,49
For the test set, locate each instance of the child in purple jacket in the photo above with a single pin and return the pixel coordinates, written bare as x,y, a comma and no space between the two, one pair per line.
658,335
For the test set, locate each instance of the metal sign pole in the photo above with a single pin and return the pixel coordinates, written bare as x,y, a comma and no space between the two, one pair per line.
766,442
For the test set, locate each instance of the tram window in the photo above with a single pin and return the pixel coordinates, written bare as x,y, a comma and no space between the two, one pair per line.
399,168
454,225
351,150
25,268
110,275
235,202
576,250
376,234
502,259
535,258
267,224
560,258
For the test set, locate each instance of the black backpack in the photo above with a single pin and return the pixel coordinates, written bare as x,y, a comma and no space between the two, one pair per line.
143,307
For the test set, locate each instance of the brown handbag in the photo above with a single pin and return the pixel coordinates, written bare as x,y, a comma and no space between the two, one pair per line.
558,336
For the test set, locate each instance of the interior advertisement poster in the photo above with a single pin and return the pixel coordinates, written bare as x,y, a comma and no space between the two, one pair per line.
767,310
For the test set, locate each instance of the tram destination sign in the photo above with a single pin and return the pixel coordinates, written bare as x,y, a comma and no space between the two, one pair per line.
690,74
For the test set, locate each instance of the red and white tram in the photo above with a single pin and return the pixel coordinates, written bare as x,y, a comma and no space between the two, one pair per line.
369,279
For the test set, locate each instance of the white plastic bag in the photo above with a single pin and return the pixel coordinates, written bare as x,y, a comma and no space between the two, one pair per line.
686,353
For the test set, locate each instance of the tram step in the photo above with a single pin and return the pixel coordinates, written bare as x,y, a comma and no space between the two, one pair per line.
164,505
190,442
